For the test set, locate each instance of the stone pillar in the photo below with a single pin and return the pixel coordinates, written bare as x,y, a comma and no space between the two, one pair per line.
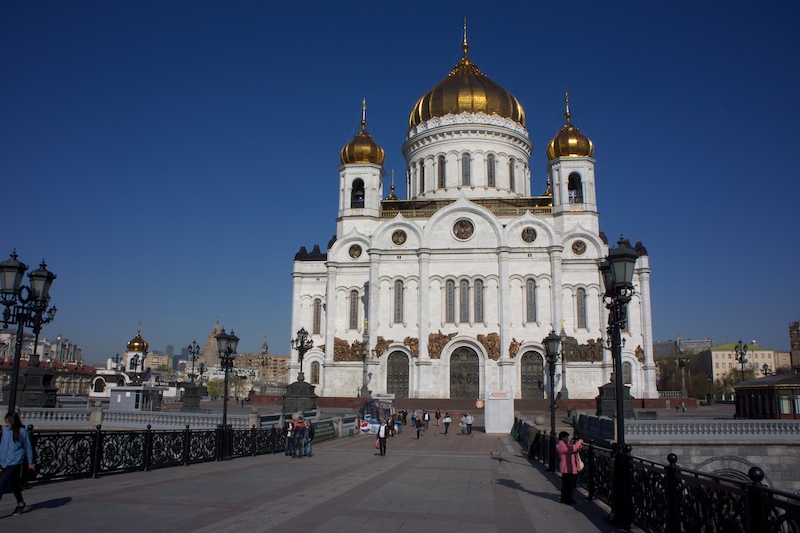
254,420
96,414
330,310
423,302
556,291
647,333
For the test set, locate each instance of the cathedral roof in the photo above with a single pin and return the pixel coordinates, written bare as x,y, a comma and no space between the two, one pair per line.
137,344
466,90
569,142
362,148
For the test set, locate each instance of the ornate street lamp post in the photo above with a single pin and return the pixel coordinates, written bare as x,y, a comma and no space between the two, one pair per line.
194,353
201,369
24,306
741,354
765,370
682,362
302,343
226,346
264,361
551,344
364,392
617,271
563,393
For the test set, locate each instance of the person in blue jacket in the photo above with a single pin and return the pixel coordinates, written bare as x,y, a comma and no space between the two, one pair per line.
14,447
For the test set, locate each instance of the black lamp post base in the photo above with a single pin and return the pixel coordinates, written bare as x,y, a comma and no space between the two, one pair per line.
35,388
365,393
191,398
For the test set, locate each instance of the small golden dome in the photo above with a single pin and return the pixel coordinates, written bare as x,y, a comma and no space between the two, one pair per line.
362,148
569,142
466,90
137,344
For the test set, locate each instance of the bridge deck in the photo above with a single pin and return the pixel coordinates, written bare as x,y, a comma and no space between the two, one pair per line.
453,483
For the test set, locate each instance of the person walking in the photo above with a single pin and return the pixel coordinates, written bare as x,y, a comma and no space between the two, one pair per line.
15,447
446,421
469,419
568,465
289,444
438,416
413,418
426,419
418,426
309,439
383,433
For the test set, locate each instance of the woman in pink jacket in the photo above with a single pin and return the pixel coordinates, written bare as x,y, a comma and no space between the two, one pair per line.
568,464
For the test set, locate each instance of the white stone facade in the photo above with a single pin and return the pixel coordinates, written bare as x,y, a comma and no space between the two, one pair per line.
462,280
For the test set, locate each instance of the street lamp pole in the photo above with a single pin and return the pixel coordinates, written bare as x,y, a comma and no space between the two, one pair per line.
24,306
551,344
365,392
741,354
226,346
617,272
682,362
194,352
765,370
564,393
302,343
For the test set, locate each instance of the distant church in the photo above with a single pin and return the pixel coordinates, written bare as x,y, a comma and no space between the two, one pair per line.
459,283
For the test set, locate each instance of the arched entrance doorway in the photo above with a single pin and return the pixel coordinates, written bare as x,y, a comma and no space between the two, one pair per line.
532,376
397,375
465,374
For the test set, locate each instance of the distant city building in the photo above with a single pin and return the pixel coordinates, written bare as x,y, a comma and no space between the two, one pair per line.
662,349
170,351
275,370
783,361
60,350
794,342
694,345
157,360
721,359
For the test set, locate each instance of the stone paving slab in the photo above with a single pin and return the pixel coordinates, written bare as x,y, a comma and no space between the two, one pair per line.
466,484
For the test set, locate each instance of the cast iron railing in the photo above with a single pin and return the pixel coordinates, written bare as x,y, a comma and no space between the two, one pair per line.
670,499
74,454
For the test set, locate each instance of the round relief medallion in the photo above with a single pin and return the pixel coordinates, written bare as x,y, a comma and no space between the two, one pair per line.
529,235
399,237
463,229
579,247
355,251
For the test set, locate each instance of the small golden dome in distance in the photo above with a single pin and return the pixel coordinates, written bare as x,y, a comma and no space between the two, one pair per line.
138,344
362,148
569,142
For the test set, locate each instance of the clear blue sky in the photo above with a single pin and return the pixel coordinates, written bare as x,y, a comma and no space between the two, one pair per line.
168,159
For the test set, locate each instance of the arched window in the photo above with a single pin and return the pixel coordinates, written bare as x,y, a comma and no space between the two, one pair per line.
530,301
478,301
511,174
398,302
315,373
575,188
463,304
627,372
490,168
353,309
422,176
99,385
357,196
580,303
317,316
450,302
465,168
442,182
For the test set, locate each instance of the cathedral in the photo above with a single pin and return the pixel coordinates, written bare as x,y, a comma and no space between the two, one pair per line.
449,292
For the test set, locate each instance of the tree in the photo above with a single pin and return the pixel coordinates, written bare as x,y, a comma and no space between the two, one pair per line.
724,384
215,387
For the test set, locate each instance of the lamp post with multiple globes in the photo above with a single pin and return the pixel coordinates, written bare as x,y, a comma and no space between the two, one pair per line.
194,353
263,361
25,306
741,354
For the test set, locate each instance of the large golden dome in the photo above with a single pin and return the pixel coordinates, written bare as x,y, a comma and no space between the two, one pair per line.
362,148
466,90
137,344
569,142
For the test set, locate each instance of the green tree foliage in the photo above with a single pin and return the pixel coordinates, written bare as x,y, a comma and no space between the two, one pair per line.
215,387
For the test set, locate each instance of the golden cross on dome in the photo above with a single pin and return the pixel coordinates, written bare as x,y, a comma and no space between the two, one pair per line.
363,113
465,44
566,103
140,327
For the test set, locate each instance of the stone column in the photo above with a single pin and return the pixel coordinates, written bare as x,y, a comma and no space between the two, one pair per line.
556,291
422,379
647,332
330,310
506,375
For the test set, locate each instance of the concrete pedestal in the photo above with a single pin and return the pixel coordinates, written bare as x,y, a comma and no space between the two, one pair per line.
34,388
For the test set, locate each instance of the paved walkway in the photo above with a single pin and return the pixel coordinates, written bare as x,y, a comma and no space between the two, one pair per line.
479,483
